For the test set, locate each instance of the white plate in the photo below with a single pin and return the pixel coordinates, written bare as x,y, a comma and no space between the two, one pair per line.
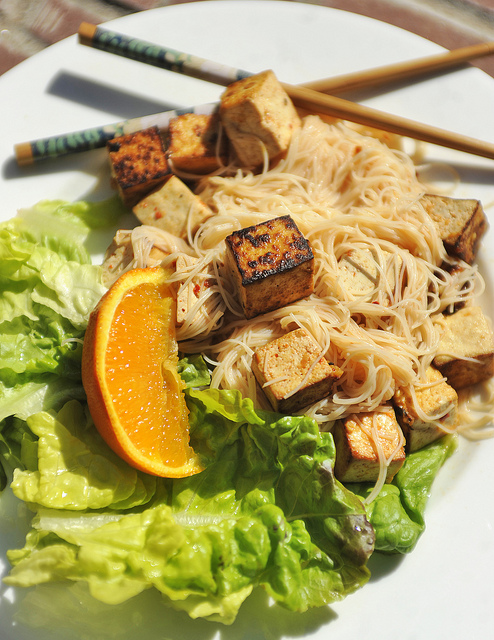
445,588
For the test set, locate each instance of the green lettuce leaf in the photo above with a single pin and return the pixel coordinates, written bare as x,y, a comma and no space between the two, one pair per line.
48,287
194,371
69,466
267,511
397,514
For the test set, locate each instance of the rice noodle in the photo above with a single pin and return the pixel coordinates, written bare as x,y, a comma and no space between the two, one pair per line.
345,191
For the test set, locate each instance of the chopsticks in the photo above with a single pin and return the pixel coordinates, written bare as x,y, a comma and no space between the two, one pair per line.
27,153
401,70
165,58
303,96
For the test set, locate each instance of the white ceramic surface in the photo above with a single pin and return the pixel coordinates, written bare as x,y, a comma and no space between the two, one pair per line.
444,589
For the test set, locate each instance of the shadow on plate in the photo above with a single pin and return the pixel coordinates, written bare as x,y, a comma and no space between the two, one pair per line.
365,93
93,163
381,565
120,103
61,612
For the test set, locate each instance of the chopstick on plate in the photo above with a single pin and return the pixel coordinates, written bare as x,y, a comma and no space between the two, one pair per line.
84,140
27,153
165,58
302,97
401,70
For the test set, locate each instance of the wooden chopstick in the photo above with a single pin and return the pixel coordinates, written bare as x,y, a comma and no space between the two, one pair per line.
112,42
27,153
302,97
401,70
322,103
119,44
61,145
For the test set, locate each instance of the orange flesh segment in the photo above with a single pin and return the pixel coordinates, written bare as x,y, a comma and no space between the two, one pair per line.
140,397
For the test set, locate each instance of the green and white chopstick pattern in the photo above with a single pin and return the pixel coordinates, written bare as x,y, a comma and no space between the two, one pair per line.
303,96
158,56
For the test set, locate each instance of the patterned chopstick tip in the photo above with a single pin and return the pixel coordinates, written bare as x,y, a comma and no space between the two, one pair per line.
27,153
158,56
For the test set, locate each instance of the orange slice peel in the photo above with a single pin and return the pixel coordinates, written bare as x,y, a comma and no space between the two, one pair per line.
129,372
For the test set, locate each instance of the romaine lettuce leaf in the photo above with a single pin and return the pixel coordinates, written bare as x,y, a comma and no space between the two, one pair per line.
267,511
194,371
73,468
48,287
397,514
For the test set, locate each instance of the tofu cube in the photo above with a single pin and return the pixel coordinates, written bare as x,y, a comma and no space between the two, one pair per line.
456,269
138,164
119,257
195,144
460,224
258,114
271,264
466,334
173,207
360,273
190,289
187,294
356,455
436,399
292,373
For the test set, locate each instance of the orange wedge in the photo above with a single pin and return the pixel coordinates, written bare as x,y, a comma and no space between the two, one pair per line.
129,372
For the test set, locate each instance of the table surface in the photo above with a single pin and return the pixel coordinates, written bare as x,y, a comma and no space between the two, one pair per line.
28,26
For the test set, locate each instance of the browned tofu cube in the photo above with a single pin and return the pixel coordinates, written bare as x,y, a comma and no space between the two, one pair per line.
356,454
460,224
138,164
194,283
119,257
258,116
139,248
466,334
272,265
292,373
360,275
436,399
456,269
195,144
173,207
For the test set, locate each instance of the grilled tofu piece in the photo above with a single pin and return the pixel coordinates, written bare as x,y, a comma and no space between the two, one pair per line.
460,224
187,294
138,164
195,143
141,247
120,256
356,456
272,265
466,334
292,373
258,114
456,269
173,207
360,273
438,399
190,289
